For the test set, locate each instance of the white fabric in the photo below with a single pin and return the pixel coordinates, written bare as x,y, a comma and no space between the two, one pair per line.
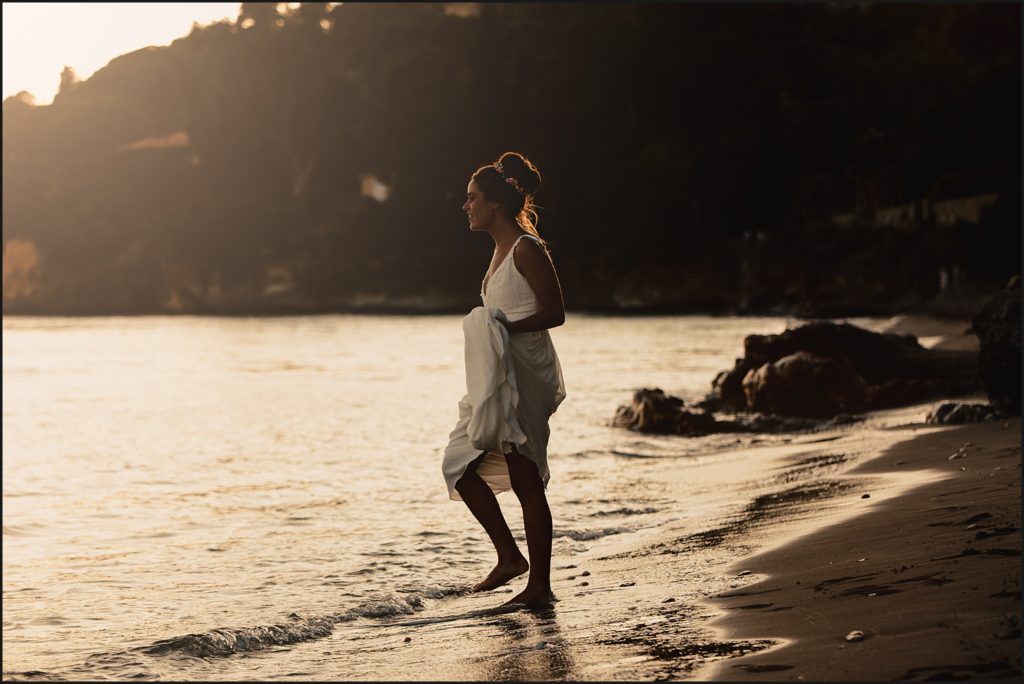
513,385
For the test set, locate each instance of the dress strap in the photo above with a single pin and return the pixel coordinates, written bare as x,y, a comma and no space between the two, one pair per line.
531,236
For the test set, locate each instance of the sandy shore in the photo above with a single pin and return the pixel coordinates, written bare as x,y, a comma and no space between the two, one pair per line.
930,576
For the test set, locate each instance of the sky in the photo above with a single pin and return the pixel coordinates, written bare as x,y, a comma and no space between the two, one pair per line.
39,39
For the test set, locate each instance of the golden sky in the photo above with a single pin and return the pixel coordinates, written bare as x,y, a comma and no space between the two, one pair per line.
39,39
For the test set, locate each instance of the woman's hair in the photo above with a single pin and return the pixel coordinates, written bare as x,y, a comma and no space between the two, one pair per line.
512,182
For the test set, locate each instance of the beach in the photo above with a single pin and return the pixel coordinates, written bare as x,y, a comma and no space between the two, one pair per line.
930,577
334,554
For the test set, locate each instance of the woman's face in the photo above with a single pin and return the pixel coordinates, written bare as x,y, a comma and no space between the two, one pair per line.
477,208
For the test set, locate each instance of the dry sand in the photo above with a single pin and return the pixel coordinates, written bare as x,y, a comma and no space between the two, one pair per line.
931,577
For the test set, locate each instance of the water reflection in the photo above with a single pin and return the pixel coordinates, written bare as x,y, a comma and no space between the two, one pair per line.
531,648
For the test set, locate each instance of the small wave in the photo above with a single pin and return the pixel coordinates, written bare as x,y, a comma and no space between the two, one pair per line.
225,642
627,511
30,674
25,530
588,535
631,454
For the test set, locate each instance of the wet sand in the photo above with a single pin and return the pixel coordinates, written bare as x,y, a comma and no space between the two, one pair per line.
868,528
931,577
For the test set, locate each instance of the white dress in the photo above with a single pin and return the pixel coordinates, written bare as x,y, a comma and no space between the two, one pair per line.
513,385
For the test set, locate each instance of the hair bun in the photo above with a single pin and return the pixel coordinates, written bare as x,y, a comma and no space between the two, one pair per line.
519,167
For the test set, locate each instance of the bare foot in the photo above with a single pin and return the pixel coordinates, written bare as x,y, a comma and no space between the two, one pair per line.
502,573
532,598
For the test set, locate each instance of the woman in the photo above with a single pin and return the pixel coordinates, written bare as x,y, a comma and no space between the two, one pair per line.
503,444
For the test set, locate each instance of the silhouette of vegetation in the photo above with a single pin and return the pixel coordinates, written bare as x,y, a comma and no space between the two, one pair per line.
694,158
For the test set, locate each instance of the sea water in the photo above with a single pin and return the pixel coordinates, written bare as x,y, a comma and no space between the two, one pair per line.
199,497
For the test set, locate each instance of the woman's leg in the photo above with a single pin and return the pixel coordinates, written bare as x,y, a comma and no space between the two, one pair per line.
484,506
528,486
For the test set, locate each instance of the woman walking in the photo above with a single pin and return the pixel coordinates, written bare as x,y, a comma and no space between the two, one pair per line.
513,377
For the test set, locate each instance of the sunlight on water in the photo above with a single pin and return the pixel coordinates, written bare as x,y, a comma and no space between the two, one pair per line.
171,476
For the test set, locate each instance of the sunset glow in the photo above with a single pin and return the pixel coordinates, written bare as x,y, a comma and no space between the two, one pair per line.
41,38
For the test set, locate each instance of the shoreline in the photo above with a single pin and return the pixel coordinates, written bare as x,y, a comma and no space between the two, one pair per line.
930,574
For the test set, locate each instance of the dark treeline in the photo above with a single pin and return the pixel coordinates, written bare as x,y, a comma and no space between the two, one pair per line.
695,158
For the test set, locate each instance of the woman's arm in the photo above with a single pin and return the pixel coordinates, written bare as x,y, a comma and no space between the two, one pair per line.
533,262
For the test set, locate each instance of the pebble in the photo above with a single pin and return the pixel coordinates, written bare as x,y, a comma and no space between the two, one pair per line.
584,584
855,635
408,639
961,452
861,560
742,573
627,584
585,573
542,645
669,600
865,496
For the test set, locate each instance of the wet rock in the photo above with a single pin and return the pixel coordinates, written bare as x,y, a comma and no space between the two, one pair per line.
804,385
955,413
997,326
855,635
654,411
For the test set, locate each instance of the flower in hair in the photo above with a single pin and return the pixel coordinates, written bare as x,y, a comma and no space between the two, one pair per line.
509,179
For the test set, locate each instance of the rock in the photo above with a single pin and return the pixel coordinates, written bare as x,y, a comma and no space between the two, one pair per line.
955,413
997,326
585,573
893,370
805,385
901,392
855,635
742,573
407,639
654,411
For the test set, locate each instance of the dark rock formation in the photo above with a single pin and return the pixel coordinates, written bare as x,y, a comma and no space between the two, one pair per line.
654,411
894,370
805,385
955,413
997,326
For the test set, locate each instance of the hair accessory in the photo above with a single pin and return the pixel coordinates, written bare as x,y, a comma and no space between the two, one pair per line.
509,179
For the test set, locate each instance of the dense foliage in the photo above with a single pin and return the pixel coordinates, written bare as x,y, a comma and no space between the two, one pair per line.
693,156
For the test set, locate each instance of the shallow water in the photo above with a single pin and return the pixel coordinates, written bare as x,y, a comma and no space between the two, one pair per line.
205,498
